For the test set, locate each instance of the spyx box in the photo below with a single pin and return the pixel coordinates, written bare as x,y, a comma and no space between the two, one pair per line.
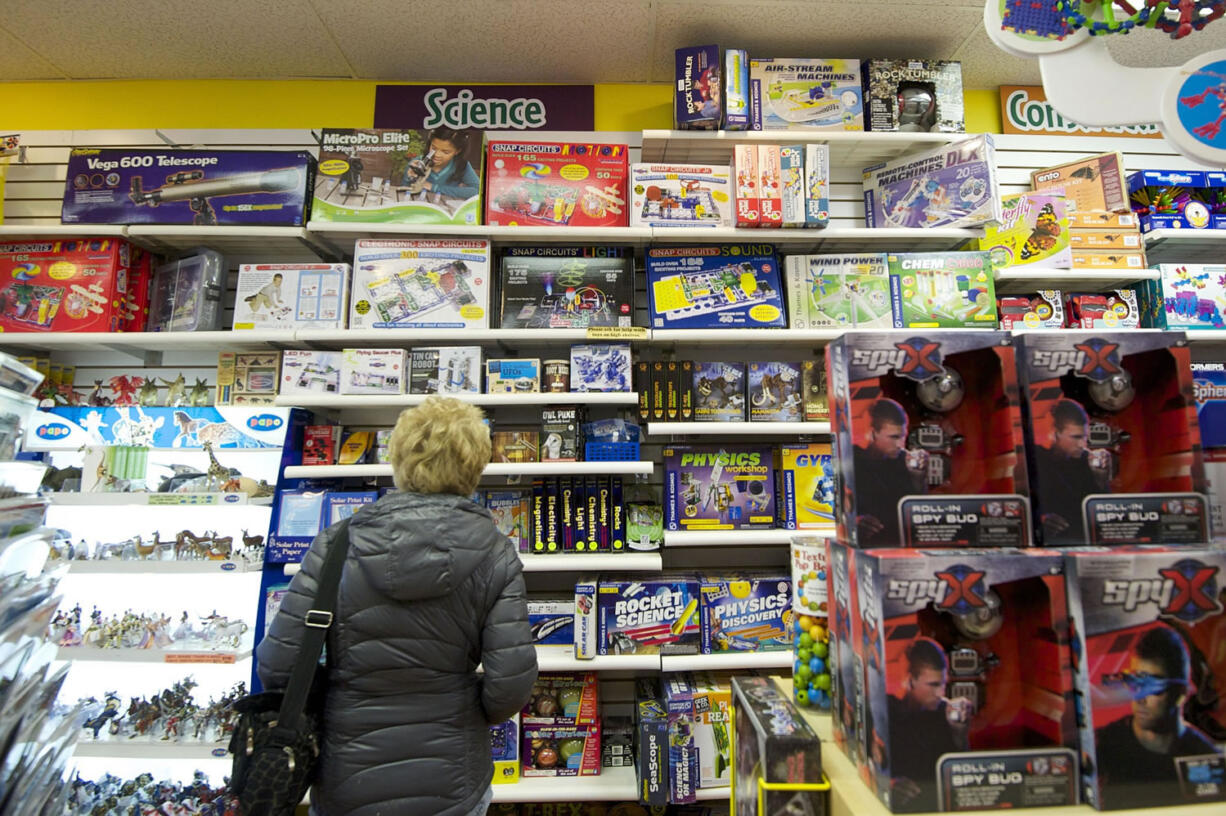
647,614
713,487
1148,623
1114,445
550,287
967,681
927,432
548,184
720,286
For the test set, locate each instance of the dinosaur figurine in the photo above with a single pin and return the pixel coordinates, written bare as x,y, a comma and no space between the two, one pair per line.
175,396
201,396
147,394
95,396
125,388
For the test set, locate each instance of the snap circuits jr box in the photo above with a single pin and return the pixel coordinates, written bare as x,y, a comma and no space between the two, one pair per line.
1114,445
775,746
809,94
945,290
420,284
967,687
202,187
64,286
807,486
681,195
551,184
747,612
913,96
291,296
1149,625
647,614
713,487
948,186
550,287
720,286
927,432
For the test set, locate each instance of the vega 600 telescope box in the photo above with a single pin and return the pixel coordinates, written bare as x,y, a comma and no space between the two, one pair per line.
203,187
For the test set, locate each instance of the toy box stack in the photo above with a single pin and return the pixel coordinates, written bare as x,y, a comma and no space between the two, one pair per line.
551,287
420,284
681,195
717,286
713,487
577,514
561,726
927,432
779,757
838,291
64,286
942,290
291,296
809,94
948,186
913,96
554,184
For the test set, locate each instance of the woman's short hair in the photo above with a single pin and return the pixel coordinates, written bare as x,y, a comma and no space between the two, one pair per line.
440,446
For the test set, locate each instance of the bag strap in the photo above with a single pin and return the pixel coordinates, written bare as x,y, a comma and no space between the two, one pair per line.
317,621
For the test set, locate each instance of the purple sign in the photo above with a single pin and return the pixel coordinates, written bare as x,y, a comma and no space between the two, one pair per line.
486,107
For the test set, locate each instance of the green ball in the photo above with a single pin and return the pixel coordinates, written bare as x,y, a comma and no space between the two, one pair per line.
822,681
804,655
806,641
803,673
813,606
802,697
820,650
570,697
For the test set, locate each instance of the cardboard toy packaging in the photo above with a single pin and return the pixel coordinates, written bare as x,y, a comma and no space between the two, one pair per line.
807,486
78,285
718,487
1116,309
549,287
1193,296
555,184
681,195
778,755
715,286
913,96
746,612
698,101
1095,183
838,291
651,613
291,296
1033,232
805,94
420,284
504,751
946,290
1169,199
373,371
1041,310
305,371
775,392
948,186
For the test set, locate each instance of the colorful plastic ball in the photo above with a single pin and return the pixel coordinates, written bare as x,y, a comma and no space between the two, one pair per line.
818,632
806,623
814,606
804,655
570,747
803,673
821,650
802,697
817,666
822,681
806,641
821,575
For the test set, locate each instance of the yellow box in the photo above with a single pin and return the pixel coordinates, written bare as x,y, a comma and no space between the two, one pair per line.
806,490
1096,259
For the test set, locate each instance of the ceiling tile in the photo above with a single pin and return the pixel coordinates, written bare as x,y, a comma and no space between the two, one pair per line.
18,62
177,39
512,41
986,66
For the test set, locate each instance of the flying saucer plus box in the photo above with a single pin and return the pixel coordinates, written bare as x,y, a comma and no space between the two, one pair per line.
714,487
805,94
717,286
927,431
948,186
202,187
1149,623
420,284
1114,444
558,287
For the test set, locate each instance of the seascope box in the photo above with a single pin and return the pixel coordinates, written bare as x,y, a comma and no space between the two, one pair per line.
1033,232
716,286
201,187
942,290
698,100
681,195
654,613
372,371
777,747
746,612
948,186
555,184
805,94
651,742
1092,183
775,392
913,96
420,284
714,487
807,486
311,372
718,390
291,296
389,176
831,291
549,287
64,286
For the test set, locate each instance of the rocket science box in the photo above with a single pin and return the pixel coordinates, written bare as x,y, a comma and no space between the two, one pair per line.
714,487
1149,625
721,286
748,612
202,187
550,287
648,614
808,94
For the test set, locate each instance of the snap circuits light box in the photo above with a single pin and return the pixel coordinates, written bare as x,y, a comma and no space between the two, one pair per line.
291,296
552,287
746,612
808,94
927,431
646,614
807,486
681,195
1149,625
968,678
948,186
716,286
420,284
201,187
830,291
713,487
777,765
942,290
77,285
1193,296
397,177
553,184
1114,444
1033,232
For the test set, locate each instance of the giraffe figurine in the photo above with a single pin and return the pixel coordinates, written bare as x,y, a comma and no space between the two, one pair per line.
218,475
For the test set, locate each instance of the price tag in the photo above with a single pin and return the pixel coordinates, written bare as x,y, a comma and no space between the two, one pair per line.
616,332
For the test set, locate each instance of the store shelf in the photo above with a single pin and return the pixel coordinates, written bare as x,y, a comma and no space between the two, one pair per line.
112,566
738,428
342,236
713,794
596,562
832,239
148,342
857,149
79,654
330,401
128,749
152,499
1185,246
612,785
405,338
562,658
737,337
1206,335
1070,280
737,538
58,232
249,244
498,469
733,661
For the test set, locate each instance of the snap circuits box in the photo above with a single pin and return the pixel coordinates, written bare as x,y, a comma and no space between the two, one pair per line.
913,96
1149,625
718,286
927,432
808,94
1193,296
291,296
777,747
698,98
1114,445
78,285
681,195
550,287
949,186
946,290
398,177
713,487
420,284
203,187
1033,232
806,486
746,612
552,184
829,291
646,614
967,678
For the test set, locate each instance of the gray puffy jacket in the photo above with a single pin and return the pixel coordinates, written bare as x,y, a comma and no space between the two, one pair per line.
430,589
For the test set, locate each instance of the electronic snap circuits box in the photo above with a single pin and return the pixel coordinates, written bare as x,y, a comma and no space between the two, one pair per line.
1169,199
1042,310
1193,296
948,186
775,392
1092,183
832,291
550,287
201,187
968,678
398,177
1113,439
1148,623
311,372
1033,232
927,432
373,371
600,367
777,747
647,614
805,94
420,284
713,487
913,96
718,392
698,100
717,286
681,195
550,184
291,296
942,290
746,612
77,285
807,486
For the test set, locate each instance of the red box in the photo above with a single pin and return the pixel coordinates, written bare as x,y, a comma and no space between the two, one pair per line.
1103,310
1039,310
556,184
769,189
136,304
319,443
77,285
748,202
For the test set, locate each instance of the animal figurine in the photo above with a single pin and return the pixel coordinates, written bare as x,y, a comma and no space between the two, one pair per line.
218,475
125,388
96,398
147,394
201,396
252,540
176,392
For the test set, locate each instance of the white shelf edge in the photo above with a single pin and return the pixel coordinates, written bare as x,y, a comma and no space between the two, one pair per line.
562,658
120,749
495,469
737,428
405,400
611,785
738,538
731,661
597,562
1121,275
87,654
162,568
358,338
713,794
185,499
738,336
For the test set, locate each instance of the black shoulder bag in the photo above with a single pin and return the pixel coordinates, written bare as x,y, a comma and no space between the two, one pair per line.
276,740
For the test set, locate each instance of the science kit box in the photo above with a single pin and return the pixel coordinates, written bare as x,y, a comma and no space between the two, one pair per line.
373,371
808,94
681,195
291,296
942,290
1114,309
775,392
807,486
913,96
383,176
1033,232
720,286
551,287
927,433
1042,310
779,756
838,291
719,391
1193,296
647,614
311,372
746,612
1148,624
698,100
77,285
201,187
948,186
1089,184
713,487
555,184
420,284
1169,199
1112,435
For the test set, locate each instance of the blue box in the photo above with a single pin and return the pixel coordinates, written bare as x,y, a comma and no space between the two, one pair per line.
719,487
649,613
552,621
682,752
1209,382
202,187
724,286
746,612
1169,199
718,391
736,89
775,392
698,101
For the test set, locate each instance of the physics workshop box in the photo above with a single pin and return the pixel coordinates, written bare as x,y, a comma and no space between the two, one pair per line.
719,487
201,187
927,432
77,285
556,184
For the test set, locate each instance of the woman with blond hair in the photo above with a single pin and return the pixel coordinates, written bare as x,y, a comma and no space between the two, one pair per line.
430,589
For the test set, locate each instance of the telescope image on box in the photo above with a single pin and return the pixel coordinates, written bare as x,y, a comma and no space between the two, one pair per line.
191,186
